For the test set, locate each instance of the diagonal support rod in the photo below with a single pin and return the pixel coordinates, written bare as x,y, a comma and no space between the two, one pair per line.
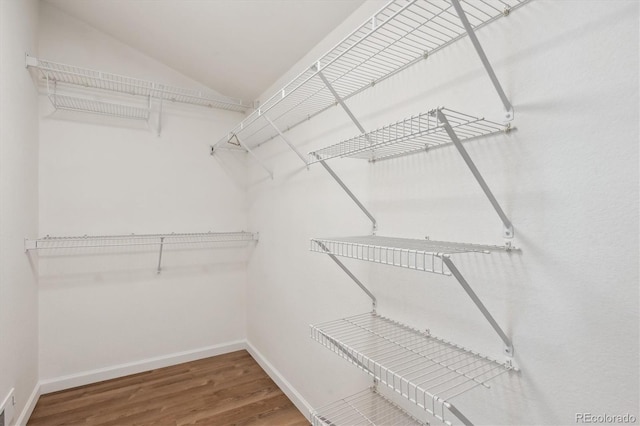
508,227
341,102
287,141
483,58
348,191
324,164
349,273
255,157
474,297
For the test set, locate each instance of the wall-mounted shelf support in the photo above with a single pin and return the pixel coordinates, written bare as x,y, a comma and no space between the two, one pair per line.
246,149
340,101
483,58
349,273
284,138
349,193
508,350
508,227
160,254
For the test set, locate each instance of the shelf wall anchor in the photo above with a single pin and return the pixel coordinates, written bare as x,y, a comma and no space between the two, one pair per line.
483,58
287,141
508,226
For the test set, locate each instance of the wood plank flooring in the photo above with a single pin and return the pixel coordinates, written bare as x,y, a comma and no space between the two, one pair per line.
229,389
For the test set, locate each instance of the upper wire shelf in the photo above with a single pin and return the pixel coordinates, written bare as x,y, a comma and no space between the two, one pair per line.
411,135
399,35
96,241
83,77
422,255
366,407
424,369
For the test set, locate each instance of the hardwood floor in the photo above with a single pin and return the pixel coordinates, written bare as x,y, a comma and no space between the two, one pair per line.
229,389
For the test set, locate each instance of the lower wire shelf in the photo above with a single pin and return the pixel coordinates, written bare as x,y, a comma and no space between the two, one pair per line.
367,407
424,369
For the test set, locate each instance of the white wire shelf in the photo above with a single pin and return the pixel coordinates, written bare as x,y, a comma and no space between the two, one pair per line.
399,35
414,134
100,241
367,407
422,255
56,73
75,103
424,369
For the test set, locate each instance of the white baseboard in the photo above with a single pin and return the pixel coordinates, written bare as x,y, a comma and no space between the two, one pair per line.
29,406
92,376
287,388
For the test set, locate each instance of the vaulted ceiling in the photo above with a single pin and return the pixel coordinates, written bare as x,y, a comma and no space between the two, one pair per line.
236,47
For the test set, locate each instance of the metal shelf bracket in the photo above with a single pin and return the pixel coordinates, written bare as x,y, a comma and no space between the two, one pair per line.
508,227
483,57
246,148
349,193
287,141
508,349
333,257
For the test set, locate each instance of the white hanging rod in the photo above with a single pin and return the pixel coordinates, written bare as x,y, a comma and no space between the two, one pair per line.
95,241
414,134
89,78
399,35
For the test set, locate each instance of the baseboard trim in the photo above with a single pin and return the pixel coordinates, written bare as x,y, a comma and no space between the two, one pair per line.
29,406
287,388
113,372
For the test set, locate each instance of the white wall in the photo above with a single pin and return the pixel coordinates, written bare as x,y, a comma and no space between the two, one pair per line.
100,309
567,178
18,202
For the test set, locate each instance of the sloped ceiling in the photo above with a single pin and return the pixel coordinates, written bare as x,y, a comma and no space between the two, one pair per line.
236,47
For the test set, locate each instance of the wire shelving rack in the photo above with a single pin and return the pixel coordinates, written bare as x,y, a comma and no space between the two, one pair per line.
399,35
72,244
422,255
366,407
408,136
58,73
424,369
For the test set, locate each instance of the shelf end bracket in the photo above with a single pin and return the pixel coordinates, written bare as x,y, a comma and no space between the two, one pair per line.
348,272
508,226
287,141
509,114
508,349
246,148
348,191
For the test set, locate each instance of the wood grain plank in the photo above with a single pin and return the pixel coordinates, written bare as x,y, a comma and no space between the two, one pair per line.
221,390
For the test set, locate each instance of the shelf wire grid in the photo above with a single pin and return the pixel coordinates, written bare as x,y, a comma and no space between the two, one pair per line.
424,369
367,407
399,35
75,103
88,78
422,255
414,134
105,241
